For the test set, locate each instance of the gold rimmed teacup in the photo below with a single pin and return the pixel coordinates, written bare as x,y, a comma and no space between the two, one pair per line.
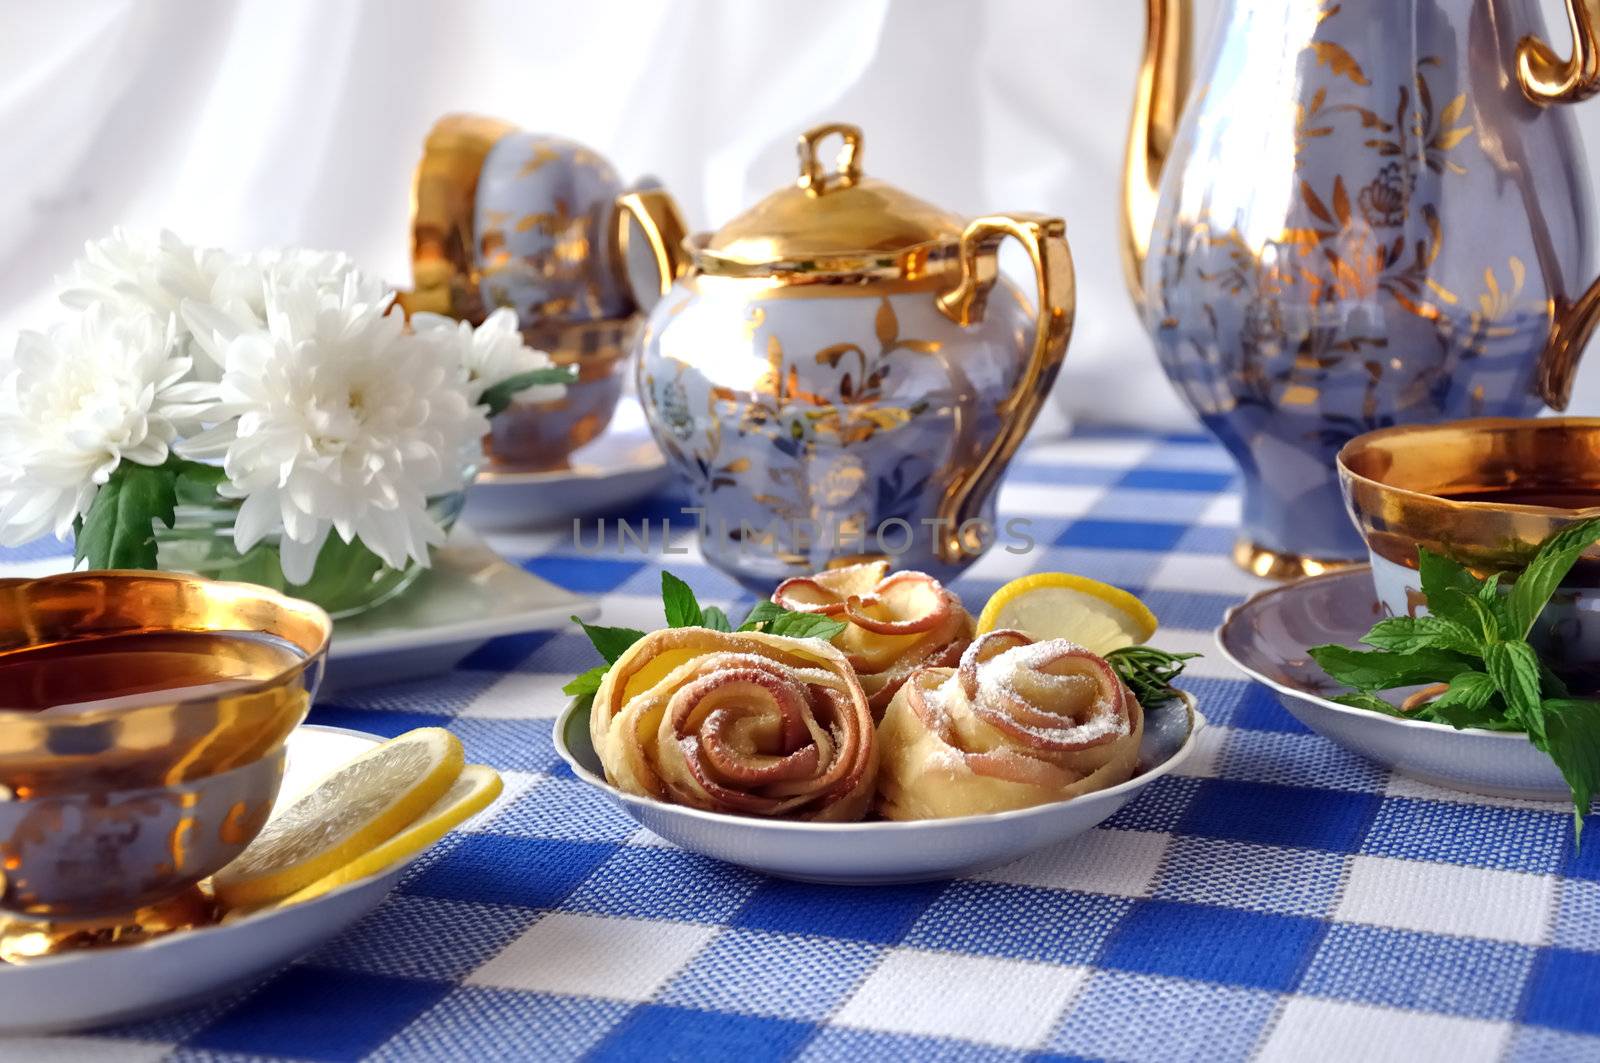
142,729
1484,493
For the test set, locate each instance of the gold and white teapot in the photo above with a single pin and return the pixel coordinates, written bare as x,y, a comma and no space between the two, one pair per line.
831,372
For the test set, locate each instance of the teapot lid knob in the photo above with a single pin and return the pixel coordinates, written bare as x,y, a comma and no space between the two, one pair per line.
812,177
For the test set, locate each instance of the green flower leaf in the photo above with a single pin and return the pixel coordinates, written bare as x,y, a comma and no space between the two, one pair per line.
715,619
498,397
119,529
1532,590
679,603
198,483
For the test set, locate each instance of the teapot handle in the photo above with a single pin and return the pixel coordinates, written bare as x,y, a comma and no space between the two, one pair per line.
1547,78
1045,240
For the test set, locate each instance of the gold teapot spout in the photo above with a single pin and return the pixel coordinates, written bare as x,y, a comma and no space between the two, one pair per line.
1157,105
663,227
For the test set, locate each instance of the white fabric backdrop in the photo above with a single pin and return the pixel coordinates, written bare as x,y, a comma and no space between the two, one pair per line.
261,122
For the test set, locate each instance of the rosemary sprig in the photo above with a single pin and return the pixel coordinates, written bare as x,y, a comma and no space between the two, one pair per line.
1149,672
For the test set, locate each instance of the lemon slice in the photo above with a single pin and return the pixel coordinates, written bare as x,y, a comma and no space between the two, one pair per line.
355,809
1060,605
470,794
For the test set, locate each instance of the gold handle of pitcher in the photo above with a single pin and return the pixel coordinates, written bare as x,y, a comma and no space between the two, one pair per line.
1157,105
1045,241
1545,79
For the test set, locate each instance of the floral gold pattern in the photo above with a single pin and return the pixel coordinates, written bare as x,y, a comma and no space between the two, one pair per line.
1414,271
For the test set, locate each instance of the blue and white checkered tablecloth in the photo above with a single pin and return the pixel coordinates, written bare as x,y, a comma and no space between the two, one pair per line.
1280,899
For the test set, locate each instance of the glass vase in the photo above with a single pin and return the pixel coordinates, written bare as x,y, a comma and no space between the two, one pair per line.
348,578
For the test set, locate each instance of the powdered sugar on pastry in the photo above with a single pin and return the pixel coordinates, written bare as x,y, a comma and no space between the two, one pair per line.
1015,724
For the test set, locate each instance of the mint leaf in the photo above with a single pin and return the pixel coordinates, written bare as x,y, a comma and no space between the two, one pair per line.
1556,556
762,613
1573,729
587,683
806,626
612,642
679,602
1514,667
1482,620
1371,702
119,529
776,620
1406,634
498,397
1440,576
1552,685
715,619
1379,670
1473,700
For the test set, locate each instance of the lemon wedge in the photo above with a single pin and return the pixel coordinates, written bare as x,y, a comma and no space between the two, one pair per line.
1060,605
351,812
470,794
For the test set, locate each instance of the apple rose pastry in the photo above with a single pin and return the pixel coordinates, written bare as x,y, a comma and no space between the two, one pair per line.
897,623
755,724
1018,723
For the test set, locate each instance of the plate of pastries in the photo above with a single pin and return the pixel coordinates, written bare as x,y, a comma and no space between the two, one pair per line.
862,726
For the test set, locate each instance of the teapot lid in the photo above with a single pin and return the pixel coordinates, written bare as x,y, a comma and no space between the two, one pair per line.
827,222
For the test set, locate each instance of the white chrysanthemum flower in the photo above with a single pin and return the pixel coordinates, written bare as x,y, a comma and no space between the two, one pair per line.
491,353
76,401
134,274
236,300
333,418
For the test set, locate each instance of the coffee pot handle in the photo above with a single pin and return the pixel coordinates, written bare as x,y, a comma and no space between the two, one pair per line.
1045,241
1545,79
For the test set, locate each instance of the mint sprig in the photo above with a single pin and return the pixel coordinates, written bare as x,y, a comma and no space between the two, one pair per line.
1475,638
682,609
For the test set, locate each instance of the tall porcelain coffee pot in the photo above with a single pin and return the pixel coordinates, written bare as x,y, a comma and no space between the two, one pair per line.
1364,213
841,371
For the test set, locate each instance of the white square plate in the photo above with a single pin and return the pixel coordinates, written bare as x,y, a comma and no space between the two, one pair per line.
469,596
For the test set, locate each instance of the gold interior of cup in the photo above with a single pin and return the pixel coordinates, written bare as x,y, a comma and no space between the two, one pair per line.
1398,485
160,744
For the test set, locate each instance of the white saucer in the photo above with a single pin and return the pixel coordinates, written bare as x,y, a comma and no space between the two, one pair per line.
81,990
881,852
470,595
1267,637
621,467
